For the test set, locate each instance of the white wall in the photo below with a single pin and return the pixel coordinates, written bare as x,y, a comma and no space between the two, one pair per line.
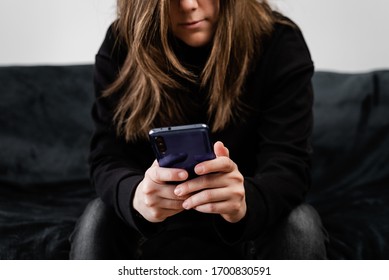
52,31
343,35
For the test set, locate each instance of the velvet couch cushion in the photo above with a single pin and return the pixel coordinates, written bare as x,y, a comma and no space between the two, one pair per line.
351,162
45,127
45,123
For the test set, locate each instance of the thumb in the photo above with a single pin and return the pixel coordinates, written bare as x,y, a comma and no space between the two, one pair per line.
220,150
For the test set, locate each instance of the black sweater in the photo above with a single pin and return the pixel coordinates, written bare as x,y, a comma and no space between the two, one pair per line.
270,146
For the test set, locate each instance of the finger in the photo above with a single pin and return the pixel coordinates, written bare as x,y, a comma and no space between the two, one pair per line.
173,197
165,204
220,164
220,150
169,193
161,191
213,208
163,174
209,181
206,197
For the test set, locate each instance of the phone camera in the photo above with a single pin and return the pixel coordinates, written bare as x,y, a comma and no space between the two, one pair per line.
160,144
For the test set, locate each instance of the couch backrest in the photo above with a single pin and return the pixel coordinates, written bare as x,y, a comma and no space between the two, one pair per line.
45,123
45,126
351,131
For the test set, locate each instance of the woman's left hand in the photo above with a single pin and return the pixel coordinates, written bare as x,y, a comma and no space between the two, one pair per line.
219,188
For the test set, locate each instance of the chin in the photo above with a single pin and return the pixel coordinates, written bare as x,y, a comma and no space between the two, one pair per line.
197,41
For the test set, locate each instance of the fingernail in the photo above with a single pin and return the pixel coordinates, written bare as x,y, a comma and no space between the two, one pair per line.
182,175
178,191
185,205
199,169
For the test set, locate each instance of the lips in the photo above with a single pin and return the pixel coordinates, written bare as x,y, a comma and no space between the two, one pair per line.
192,24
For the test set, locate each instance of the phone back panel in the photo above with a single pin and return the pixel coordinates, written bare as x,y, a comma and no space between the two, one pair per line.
182,146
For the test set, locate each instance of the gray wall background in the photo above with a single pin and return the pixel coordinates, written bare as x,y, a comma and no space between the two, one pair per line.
343,35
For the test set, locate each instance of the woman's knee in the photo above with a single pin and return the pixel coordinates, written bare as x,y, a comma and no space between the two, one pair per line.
100,234
88,229
304,220
304,234
300,235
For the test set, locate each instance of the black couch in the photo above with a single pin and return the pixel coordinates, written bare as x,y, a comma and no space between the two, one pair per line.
45,127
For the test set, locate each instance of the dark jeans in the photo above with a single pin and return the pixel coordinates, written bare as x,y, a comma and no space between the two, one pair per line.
100,234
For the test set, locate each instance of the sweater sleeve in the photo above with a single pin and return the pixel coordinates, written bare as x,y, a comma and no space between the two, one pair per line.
116,168
283,128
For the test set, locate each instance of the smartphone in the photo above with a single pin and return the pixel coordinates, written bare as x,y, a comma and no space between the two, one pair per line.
182,146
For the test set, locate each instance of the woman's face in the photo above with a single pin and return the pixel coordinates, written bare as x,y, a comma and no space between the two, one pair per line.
194,21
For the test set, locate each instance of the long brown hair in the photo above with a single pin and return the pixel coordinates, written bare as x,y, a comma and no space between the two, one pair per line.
146,79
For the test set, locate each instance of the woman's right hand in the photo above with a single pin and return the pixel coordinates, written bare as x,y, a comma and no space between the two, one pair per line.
154,197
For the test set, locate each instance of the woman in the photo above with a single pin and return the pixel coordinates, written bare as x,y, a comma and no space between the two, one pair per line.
237,66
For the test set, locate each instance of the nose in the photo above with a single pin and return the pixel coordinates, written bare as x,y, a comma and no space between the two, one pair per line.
188,5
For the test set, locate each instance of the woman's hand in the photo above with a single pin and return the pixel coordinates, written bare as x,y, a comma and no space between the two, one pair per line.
154,197
218,190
